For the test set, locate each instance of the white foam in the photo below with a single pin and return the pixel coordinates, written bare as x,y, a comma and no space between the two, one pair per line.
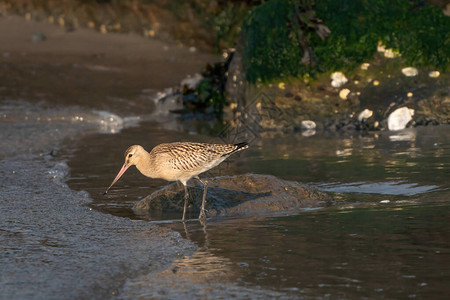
382,188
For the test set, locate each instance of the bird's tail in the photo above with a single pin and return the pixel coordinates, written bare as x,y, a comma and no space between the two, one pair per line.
239,147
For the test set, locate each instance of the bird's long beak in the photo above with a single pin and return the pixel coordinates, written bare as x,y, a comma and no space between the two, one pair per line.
124,168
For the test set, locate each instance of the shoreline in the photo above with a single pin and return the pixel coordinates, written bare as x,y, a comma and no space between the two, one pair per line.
50,234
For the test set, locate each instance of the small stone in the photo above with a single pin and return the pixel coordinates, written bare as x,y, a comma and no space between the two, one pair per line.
410,71
28,16
365,66
192,49
376,83
91,24
38,37
434,74
388,53
243,264
344,93
61,21
338,79
103,29
399,118
380,47
365,114
308,124
409,95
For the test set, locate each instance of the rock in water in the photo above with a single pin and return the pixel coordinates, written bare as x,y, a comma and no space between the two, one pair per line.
399,118
241,195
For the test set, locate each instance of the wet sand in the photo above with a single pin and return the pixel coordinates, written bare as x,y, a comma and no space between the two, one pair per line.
87,68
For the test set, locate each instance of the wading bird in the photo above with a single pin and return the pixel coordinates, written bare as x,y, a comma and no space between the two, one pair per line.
178,161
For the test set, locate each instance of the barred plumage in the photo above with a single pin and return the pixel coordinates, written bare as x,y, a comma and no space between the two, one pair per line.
178,161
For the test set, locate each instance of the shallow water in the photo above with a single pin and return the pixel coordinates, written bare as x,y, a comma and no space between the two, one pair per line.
390,252
387,236
52,244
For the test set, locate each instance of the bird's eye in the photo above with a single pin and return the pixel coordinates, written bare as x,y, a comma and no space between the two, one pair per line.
130,155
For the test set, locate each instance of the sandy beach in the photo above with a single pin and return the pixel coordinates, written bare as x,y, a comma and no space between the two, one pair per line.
91,65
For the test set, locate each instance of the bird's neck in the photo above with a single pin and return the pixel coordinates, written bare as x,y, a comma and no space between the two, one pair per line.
146,165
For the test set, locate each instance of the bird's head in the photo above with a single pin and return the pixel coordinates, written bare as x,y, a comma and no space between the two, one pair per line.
132,157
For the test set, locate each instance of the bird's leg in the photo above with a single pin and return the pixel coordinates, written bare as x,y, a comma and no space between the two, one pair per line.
202,215
186,198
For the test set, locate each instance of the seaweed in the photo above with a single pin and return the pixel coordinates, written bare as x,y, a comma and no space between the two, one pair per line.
282,38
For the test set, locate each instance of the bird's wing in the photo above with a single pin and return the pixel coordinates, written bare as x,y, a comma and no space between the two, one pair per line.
195,156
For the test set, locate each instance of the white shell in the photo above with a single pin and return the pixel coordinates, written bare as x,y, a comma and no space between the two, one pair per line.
344,93
399,118
410,71
389,53
308,124
434,74
365,114
365,66
338,79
